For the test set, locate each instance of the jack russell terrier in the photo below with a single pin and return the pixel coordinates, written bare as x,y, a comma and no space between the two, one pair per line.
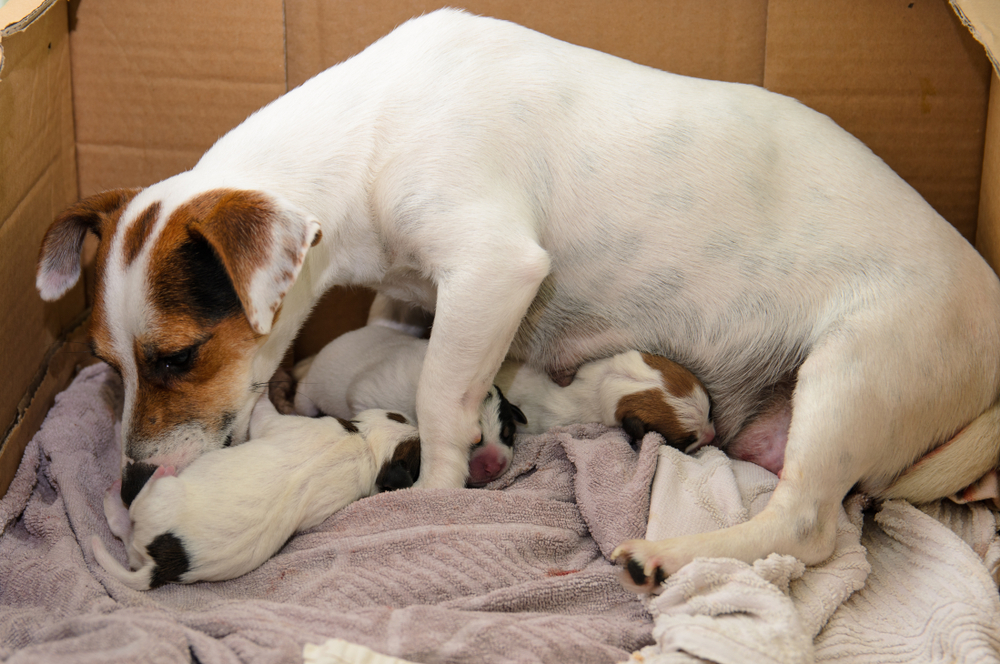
378,367
195,525
554,204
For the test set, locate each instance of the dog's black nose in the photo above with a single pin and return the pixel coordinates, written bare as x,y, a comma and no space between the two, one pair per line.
134,477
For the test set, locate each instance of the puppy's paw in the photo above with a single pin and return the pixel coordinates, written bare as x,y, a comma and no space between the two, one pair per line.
644,565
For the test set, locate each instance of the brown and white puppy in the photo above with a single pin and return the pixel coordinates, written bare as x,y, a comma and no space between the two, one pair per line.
554,204
636,391
232,509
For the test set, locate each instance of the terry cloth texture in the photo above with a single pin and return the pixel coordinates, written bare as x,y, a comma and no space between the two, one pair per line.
515,572
903,585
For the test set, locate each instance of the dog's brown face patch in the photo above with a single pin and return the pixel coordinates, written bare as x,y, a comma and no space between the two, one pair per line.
172,322
189,373
138,232
676,379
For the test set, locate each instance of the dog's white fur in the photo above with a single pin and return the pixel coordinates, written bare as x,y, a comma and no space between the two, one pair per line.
378,367
555,204
234,508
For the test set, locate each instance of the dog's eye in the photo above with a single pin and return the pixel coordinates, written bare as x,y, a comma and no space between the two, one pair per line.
178,362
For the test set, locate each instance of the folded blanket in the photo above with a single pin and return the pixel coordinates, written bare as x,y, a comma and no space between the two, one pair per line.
515,572
903,584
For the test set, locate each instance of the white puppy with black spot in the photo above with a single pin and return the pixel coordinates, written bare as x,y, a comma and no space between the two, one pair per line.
234,508
554,204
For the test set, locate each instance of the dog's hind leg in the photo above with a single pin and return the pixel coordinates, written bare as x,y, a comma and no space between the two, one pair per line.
858,414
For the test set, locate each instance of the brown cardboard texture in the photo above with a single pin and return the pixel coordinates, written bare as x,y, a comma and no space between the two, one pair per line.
37,180
156,84
98,95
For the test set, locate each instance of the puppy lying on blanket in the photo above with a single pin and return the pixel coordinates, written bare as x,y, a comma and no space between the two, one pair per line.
378,367
232,509
553,204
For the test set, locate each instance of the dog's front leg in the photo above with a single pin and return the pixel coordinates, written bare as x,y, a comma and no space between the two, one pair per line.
480,305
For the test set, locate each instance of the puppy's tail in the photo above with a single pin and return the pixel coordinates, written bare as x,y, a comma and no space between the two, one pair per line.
974,451
137,580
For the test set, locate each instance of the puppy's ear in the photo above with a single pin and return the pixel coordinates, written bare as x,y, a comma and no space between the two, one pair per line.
262,243
59,258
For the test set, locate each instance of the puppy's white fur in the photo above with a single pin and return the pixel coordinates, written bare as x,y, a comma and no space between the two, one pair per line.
378,366
233,508
554,204
597,392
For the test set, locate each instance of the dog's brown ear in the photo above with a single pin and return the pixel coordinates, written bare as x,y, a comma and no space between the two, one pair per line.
59,258
262,243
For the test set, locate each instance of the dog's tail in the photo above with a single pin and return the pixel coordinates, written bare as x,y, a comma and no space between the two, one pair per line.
138,580
974,451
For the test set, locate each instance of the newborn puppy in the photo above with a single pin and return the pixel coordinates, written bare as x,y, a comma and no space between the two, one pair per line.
637,391
377,366
233,508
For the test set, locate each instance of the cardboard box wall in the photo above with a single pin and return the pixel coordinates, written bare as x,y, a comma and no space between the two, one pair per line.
98,94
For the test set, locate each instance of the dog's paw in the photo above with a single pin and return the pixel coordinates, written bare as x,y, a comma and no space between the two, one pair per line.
644,565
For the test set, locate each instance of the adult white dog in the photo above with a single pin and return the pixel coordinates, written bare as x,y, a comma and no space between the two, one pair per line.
555,204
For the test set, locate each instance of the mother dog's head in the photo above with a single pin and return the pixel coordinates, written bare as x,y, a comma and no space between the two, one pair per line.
189,289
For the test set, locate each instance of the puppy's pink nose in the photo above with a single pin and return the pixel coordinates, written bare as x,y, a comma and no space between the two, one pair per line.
486,466
707,434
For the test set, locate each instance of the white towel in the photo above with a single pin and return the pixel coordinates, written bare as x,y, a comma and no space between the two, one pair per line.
903,584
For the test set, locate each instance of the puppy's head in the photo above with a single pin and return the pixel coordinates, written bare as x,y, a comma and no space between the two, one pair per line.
396,446
679,410
498,420
189,284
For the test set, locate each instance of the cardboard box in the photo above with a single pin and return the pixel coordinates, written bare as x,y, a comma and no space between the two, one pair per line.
112,93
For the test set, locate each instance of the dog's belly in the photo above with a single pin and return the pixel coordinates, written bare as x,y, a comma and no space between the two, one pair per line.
739,352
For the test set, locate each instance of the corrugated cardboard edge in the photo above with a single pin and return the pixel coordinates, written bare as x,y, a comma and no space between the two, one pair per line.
982,18
18,16
58,362
988,231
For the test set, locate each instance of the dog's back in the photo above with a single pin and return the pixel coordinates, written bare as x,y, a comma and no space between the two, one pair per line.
752,190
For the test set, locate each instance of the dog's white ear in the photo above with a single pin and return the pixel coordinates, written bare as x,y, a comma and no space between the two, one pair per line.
59,258
262,242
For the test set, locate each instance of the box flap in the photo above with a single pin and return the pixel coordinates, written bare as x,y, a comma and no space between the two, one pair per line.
37,181
16,15
982,17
